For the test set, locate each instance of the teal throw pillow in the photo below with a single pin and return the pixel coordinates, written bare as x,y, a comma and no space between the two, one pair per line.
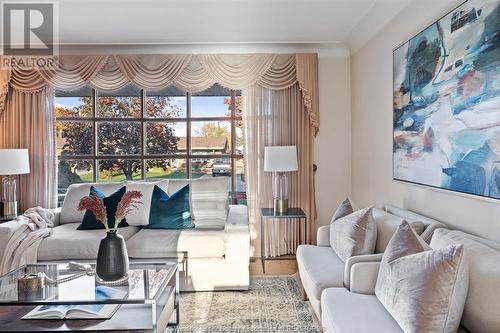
90,222
170,212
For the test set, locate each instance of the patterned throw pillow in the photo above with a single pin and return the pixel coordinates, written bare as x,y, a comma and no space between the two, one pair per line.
354,234
344,209
424,291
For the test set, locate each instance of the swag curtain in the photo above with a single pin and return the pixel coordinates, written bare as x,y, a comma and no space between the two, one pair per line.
191,73
288,78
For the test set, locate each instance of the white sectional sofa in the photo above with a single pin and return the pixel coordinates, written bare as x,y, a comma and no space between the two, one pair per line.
353,311
320,268
218,248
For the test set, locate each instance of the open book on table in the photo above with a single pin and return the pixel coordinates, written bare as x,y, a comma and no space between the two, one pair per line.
92,311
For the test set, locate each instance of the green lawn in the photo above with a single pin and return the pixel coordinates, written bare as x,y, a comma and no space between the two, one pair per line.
155,173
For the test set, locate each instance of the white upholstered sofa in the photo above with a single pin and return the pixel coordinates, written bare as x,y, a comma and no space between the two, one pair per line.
218,248
359,310
320,268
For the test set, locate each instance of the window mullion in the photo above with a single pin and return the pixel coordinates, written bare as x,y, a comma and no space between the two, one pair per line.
233,144
143,135
95,134
188,134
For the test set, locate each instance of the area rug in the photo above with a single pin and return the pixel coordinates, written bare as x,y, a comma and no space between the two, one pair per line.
273,304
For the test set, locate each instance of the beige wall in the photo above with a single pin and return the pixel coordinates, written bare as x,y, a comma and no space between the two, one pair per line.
371,91
333,143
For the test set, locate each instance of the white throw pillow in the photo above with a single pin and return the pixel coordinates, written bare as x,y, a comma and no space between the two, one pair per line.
354,234
209,198
140,216
424,291
69,210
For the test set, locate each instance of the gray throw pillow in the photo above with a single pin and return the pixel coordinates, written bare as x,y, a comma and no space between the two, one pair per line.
424,291
354,234
344,209
418,227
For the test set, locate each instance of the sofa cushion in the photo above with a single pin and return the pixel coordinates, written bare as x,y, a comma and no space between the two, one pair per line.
170,212
387,224
354,234
140,216
160,243
344,209
319,268
482,303
347,312
210,199
69,210
424,291
66,242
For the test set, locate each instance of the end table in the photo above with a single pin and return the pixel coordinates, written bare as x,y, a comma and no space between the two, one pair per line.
269,214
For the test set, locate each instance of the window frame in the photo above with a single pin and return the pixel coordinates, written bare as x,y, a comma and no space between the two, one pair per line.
95,157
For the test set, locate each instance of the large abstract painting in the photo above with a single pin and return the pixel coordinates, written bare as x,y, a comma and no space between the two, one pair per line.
447,102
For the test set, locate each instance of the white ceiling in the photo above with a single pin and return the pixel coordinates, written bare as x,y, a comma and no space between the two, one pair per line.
335,23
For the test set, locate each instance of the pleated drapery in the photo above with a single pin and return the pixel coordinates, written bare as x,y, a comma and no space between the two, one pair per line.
27,122
278,118
281,108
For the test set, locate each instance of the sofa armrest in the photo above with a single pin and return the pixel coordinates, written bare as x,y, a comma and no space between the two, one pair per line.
364,277
323,236
57,212
237,236
7,229
358,259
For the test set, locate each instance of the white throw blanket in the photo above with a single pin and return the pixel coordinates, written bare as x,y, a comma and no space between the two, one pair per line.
22,247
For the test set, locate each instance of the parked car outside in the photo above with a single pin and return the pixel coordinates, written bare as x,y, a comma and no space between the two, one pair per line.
221,167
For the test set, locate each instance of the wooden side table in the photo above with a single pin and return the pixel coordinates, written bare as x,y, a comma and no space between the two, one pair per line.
269,214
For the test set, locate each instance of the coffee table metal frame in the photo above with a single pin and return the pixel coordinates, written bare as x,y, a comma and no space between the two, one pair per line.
172,280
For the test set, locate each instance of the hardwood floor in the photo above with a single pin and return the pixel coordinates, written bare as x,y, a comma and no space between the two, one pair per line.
274,267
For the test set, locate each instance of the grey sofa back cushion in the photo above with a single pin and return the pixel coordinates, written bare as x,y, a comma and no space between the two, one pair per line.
409,216
69,210
354,234
481,312
387,224
424,291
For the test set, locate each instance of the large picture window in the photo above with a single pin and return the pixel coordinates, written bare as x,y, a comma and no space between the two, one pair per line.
136,134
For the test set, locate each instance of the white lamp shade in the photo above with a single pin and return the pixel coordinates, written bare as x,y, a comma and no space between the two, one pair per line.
280,159
14,162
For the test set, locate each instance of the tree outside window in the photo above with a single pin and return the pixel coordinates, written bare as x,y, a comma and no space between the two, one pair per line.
133,134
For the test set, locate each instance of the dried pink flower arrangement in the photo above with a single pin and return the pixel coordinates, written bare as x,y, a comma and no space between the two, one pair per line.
127,204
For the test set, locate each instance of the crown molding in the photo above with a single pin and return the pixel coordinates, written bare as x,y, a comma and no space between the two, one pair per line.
324,49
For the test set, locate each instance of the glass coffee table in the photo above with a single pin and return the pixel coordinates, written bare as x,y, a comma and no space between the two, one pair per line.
147,300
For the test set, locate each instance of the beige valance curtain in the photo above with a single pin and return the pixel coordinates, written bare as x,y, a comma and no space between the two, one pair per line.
191,73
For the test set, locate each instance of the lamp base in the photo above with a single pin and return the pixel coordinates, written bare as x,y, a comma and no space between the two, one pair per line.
280,205
9,210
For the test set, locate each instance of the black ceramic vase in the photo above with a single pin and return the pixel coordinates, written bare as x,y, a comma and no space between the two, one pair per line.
112,258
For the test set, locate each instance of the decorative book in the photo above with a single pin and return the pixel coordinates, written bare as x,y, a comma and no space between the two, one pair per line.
92,311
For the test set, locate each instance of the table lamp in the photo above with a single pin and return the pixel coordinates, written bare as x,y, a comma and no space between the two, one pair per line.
279,160
13,162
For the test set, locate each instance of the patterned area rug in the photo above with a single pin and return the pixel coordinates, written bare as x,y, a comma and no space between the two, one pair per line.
273,304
